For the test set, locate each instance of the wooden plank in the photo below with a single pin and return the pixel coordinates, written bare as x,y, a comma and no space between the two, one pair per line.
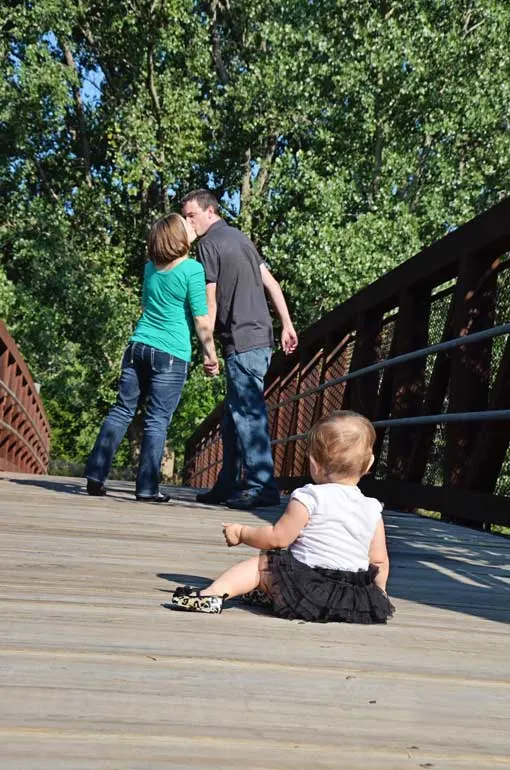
96,674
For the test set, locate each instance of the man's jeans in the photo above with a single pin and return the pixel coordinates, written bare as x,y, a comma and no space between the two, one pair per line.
245,429
157,378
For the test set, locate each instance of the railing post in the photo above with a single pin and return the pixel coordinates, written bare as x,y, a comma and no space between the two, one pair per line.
470,368
411,333
493,439
361,395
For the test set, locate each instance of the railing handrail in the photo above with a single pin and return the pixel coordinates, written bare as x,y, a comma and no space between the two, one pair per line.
14,397
466,339
26,447
491,415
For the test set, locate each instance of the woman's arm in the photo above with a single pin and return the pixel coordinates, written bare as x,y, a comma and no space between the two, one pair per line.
278,535
205,335
378,556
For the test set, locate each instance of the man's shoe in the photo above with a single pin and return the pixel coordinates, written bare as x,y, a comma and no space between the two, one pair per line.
159,498
210,498
247,501
95,488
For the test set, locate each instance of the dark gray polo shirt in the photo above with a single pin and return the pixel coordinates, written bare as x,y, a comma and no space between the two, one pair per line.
232,262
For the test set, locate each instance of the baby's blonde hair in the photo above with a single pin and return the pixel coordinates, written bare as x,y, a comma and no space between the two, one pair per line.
342,444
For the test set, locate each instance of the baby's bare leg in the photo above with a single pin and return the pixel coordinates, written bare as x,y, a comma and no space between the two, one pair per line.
241,578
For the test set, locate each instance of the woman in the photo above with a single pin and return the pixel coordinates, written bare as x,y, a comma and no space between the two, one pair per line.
156,360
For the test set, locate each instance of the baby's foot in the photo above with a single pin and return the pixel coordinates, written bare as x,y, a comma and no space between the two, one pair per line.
188,598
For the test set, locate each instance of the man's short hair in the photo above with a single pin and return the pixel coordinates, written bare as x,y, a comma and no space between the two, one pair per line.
204,198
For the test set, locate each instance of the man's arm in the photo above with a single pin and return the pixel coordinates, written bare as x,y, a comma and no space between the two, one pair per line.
211,303
271,285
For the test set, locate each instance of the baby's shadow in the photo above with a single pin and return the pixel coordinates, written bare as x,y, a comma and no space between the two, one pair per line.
197,581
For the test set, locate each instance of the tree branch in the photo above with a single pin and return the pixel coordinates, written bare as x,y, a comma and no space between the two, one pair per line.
266,163
151,84
80,114
156,104
246,180
44,178
89,37
376,176
219,64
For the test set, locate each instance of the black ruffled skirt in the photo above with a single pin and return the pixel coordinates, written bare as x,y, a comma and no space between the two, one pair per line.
325,595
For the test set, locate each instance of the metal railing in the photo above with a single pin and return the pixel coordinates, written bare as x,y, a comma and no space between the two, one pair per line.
24,427
424,352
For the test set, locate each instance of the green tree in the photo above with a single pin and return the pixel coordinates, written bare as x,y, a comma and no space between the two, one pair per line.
341,137
98,124
358,132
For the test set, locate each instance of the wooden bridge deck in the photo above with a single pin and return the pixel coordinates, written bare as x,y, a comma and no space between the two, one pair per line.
95,674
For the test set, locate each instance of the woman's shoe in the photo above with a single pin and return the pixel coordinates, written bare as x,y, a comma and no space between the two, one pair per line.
188,598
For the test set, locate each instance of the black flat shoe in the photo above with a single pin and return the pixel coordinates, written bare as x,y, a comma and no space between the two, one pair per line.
159,498
95,488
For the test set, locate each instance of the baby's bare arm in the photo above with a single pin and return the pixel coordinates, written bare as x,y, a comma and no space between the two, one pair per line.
378,555
279,535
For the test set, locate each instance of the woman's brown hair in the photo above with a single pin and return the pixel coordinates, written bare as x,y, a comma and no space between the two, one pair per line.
168,240
341,444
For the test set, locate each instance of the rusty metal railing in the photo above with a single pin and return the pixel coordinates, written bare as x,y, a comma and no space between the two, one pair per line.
24,427
395,352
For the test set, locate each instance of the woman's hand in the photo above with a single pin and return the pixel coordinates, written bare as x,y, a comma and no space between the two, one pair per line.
205,335
232,534
211,365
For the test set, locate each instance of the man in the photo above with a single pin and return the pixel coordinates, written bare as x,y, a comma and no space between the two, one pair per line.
236,279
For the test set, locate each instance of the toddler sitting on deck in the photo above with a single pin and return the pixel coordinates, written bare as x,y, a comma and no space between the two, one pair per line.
325,559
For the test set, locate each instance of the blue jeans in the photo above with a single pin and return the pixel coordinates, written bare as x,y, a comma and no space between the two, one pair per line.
157,378
245,429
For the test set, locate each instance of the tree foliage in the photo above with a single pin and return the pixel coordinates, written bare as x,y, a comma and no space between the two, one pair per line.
341,136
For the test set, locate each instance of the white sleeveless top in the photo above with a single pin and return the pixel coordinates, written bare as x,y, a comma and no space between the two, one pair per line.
342,523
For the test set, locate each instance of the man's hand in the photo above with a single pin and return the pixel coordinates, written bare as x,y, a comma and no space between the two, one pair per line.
211,366
289,339
232,534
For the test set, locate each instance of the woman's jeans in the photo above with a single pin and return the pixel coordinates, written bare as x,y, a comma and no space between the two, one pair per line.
245,429
157,378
